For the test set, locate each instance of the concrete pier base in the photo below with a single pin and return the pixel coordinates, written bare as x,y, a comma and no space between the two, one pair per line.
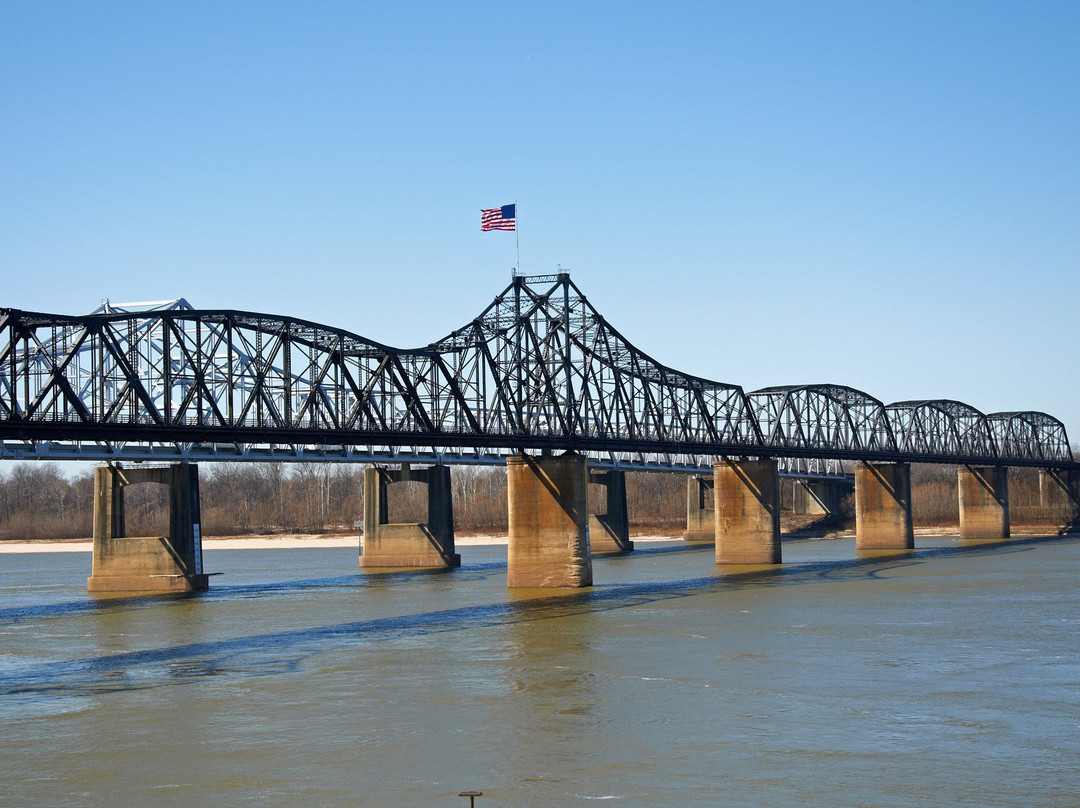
747,512
548,543
408,544
984,502
170,563
883,507
700,521
609,532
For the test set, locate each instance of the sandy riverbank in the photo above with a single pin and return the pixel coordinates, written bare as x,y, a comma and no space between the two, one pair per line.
291,542
229,543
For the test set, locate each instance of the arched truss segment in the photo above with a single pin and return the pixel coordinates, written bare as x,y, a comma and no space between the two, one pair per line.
825,417
1029,436
942,427
556,367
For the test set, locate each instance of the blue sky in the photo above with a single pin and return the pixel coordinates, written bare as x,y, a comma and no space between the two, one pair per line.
882,195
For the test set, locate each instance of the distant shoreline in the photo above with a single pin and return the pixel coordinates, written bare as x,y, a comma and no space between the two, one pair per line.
291,542
302,541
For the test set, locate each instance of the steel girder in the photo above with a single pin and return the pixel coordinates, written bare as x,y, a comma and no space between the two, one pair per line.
539,369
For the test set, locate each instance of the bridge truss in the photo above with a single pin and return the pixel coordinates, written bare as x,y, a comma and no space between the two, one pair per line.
539,370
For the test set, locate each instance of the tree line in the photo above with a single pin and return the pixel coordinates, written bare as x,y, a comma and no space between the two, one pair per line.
38,501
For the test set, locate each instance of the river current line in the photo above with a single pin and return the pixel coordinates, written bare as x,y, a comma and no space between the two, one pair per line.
285,651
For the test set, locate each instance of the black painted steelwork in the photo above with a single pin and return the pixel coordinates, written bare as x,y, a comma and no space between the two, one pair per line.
540,369
822,417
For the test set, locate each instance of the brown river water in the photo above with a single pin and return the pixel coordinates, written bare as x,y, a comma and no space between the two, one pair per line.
945,676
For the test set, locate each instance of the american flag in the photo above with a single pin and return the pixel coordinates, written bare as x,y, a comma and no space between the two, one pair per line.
503,218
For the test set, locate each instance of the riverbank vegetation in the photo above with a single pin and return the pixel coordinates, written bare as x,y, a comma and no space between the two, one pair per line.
38,501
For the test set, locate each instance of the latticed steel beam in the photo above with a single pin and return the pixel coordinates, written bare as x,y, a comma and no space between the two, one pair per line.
539,369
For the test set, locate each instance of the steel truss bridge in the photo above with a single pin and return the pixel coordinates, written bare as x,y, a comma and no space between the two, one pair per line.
539,370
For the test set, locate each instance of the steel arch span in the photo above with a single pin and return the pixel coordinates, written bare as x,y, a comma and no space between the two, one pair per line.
539,369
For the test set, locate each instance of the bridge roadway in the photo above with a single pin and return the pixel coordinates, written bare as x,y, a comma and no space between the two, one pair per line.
538,381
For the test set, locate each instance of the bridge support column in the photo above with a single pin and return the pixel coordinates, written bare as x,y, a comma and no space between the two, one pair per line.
819,497
408,544
609,532
1069,483
700,521
984,502
548,543
170,563
883,507
747,512
802,500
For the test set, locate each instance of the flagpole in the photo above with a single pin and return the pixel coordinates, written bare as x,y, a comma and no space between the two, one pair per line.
517,243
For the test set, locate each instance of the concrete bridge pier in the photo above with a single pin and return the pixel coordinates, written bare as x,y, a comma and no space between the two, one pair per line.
700,521
1069,482
984,502
609,532
408,544
170,563
548,543
883,507
747,512
819,497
